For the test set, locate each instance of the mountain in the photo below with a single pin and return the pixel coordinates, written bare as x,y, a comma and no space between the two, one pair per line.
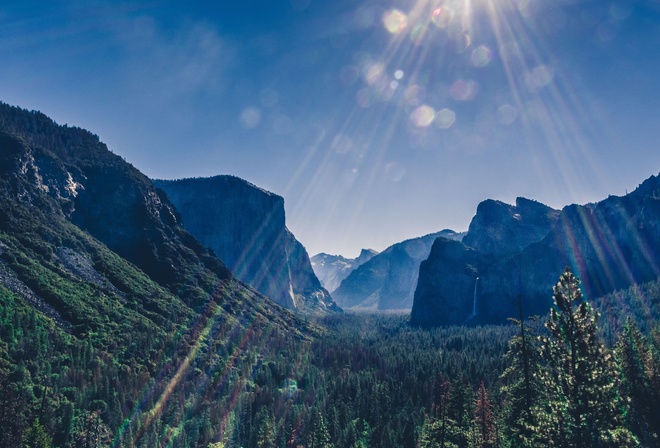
388,280
501,229
245,226
108,307
333,269
610,245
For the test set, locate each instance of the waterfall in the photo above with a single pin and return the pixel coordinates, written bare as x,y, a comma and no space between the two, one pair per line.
474,297
474,301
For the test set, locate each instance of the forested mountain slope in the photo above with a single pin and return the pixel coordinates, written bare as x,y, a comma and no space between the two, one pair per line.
116,322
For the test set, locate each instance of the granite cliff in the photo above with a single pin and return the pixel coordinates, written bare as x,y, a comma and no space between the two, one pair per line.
501,229
245,226
610,245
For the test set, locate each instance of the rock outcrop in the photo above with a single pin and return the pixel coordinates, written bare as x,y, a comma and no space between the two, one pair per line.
245,226
331,270
88,241
501,229
609,245
452,271
388,280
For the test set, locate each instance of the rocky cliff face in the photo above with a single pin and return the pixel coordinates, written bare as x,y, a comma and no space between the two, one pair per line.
86,239
388,280
451,271
100,193
245,226
501,229
331,270
609,245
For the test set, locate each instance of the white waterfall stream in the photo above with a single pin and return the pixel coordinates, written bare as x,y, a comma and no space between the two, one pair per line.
474,301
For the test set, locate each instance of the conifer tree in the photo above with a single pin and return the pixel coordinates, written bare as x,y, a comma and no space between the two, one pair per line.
484,419
521,390
634,358
36,437
320,436
582,408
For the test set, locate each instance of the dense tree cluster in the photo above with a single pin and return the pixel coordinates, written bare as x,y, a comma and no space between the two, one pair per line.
369,380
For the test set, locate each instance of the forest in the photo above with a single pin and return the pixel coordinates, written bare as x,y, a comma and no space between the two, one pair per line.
570,378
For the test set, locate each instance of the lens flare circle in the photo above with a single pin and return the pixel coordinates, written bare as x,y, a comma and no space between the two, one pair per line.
395,21
481,56
507,114
445,118
422,116
463,90
442,17
250,117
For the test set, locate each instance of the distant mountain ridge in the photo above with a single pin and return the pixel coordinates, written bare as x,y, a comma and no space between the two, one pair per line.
331,270
610,245
388,280
245,226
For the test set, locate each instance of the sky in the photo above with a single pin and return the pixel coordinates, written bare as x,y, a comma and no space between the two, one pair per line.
377,121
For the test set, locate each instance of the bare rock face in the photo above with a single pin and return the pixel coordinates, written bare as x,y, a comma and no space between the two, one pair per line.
331,270
609,245
448,285
245,226
502,229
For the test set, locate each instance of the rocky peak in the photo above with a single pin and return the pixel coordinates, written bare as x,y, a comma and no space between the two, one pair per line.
502,229
609,245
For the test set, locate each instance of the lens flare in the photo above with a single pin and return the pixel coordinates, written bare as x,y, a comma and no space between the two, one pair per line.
414,95
481,56
250,117
442,17
539,77
445,118
374,73
463,90
507,114
395,21
423,116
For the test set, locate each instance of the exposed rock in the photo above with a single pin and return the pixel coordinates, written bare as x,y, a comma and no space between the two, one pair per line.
245,226
331,270
447,286
84,234
502,229
609,245
9,280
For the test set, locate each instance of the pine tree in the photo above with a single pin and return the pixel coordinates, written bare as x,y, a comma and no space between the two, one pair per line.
484,419
521,390
635,362
582,409
36,437
320,436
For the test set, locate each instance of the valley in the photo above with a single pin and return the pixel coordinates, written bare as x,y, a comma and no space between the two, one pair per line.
129,318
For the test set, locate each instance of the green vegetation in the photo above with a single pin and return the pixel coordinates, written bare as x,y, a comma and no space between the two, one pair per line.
118,329
367,380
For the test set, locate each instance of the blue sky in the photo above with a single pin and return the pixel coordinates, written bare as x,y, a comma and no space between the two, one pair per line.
377,121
